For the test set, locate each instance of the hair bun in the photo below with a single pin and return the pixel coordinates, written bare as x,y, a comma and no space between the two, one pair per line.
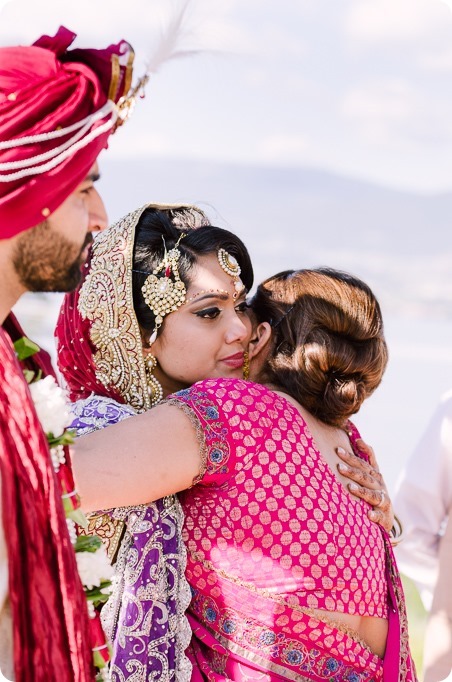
342,396
330,352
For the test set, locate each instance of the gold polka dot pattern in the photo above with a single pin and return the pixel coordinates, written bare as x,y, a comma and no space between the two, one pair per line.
270,524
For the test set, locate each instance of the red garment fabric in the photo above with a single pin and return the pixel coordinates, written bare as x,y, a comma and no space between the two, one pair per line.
45,87
50,619
40,361
73,341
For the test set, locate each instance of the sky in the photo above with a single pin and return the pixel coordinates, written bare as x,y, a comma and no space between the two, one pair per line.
361,88
357,87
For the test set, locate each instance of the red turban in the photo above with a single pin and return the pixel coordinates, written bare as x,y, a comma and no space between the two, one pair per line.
57,110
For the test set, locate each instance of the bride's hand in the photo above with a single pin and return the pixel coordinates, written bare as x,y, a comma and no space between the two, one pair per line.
367,483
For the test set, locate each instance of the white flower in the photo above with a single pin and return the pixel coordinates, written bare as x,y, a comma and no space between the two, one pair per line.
94,567
51,406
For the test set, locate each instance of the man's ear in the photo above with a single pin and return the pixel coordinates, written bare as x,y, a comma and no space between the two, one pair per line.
260,339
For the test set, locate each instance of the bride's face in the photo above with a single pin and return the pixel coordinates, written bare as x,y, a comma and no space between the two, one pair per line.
207,336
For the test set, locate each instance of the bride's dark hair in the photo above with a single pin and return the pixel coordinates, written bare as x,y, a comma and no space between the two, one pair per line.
159,228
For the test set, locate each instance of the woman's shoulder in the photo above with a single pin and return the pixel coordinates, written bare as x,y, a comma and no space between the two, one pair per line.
230,388
225,399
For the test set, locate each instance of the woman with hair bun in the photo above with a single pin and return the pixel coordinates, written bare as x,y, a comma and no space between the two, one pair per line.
289,577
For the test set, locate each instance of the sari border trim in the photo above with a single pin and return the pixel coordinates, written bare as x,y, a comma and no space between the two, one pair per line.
259,660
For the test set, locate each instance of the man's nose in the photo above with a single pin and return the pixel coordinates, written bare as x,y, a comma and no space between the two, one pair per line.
98,219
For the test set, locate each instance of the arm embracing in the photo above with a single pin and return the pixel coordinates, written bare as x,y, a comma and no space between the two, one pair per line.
136,461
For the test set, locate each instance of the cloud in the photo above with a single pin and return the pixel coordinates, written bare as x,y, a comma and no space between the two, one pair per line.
283,149
387,100
436,61
380,111
360,86
99,21
377,21
26,20
394,113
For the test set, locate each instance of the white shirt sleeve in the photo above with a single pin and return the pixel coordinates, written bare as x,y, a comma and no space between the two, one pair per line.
423,500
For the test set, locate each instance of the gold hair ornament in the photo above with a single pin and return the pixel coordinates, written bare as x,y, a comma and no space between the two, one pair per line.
231,267
164,294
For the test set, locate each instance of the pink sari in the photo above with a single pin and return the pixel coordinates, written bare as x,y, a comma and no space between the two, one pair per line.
271,537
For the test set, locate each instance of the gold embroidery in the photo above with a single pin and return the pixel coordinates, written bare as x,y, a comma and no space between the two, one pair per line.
128,72
253,657
406,663
106,300
109,530
191,414
115,74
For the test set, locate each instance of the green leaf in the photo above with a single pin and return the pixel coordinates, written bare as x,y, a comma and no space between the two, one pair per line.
99,662
25,348
29,375
88,543
96,595
66,438
75,515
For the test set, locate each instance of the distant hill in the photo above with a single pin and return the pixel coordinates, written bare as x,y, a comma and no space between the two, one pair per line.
400,242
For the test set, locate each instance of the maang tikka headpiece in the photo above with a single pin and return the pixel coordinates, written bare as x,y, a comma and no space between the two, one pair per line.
231,267
164,294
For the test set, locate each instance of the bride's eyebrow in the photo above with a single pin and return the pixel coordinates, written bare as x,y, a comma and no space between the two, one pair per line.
220,294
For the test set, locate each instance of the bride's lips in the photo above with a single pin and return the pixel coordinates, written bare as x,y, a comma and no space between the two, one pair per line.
234,361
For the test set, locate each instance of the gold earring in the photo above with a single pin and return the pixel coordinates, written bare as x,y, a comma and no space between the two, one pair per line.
154,386
246,365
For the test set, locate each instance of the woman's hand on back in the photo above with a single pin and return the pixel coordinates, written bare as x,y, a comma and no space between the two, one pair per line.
367,483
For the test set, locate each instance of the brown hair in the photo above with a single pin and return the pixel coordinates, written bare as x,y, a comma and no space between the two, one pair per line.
329,350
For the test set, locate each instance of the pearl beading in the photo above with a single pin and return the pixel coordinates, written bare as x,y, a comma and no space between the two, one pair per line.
30,166
106,300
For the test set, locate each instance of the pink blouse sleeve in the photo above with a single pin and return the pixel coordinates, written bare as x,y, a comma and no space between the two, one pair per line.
355,435
231,418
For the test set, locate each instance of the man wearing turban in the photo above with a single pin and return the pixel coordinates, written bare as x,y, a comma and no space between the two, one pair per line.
57,110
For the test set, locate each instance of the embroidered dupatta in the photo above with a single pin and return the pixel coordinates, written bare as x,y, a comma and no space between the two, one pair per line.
100,356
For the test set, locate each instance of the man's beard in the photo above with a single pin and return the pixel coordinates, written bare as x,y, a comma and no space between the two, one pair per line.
46,261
